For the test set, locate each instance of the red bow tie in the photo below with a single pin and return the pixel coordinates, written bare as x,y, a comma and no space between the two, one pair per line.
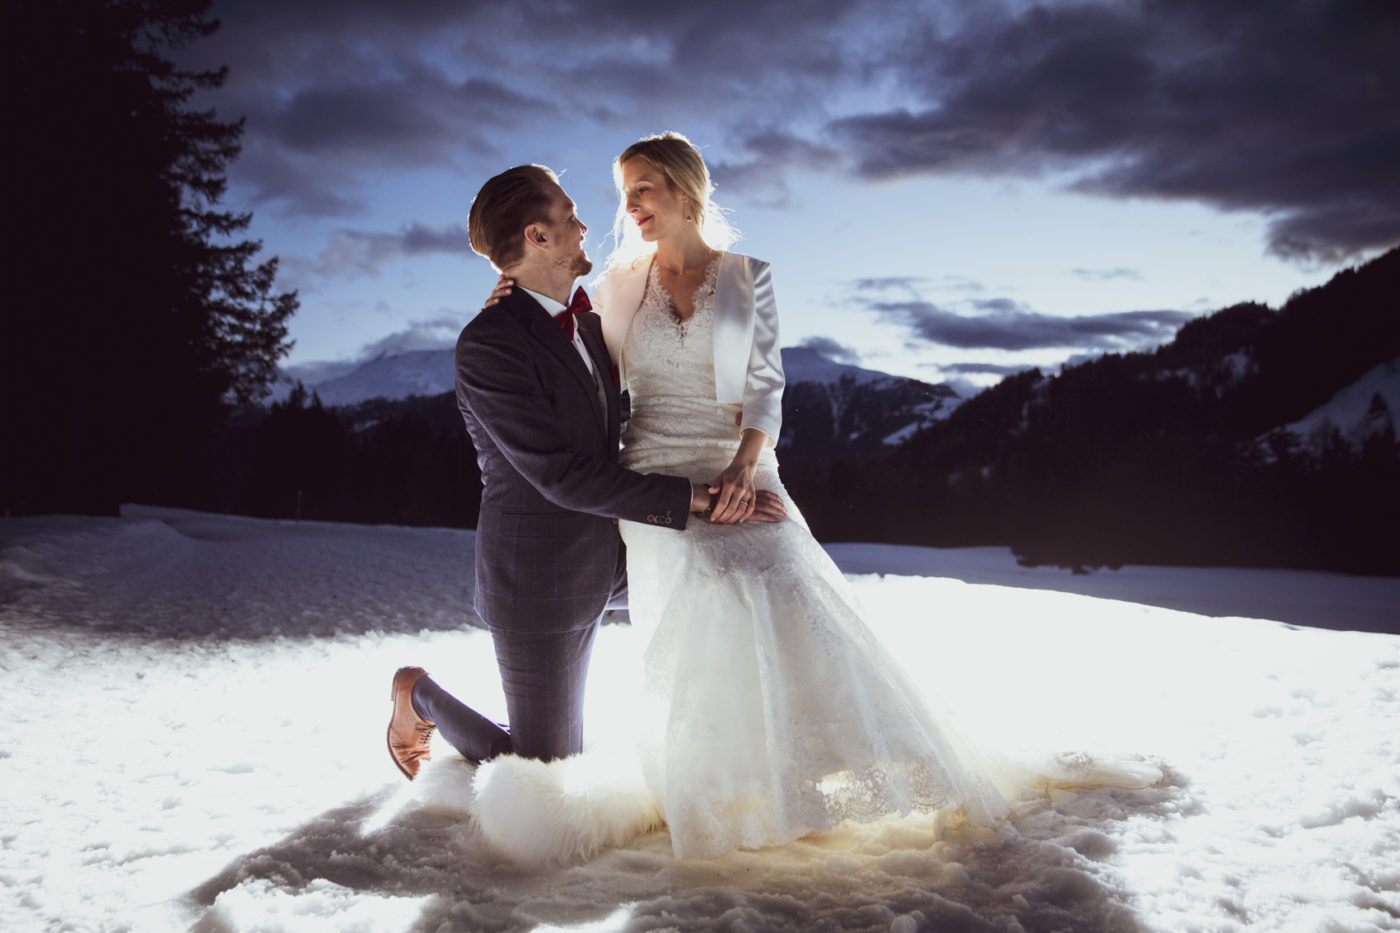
579,305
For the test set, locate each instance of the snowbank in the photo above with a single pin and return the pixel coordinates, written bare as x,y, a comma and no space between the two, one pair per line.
192,737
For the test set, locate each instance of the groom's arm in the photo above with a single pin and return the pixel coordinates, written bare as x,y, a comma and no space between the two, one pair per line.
497,381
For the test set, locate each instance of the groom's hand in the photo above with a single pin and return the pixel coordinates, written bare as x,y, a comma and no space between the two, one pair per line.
768,507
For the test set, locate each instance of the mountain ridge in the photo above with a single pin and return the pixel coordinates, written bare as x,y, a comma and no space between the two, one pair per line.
394,376
829,408
1254,437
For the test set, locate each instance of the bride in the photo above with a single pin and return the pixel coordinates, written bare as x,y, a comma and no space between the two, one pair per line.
775,712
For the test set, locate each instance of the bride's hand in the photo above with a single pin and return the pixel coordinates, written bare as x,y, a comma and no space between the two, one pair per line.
504,287
736,496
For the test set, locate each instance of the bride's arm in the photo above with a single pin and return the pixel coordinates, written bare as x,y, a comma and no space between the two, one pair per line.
736,495
763,398
763,382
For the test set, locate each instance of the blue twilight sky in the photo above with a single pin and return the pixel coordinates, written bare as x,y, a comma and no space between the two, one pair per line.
947,190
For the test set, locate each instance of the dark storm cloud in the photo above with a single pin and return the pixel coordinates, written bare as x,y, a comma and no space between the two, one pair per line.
709,41
308,147
981,369
1000,324
1288,108
406,120
419,239
1285,108
362,252
832,349
432,334
334,92
297,185
759,172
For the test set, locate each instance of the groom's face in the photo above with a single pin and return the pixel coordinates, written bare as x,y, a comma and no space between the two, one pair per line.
566,233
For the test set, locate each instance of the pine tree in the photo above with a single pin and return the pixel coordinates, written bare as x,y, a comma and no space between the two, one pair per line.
136,314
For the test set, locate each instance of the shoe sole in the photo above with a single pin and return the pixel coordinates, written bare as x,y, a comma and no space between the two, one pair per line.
389,731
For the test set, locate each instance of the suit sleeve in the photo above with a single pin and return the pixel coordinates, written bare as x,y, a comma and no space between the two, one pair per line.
763,387
500,385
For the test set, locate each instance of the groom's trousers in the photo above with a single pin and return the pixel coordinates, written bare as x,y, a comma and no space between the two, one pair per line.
543,675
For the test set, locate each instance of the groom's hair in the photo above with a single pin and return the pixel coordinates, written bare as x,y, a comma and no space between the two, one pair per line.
505,206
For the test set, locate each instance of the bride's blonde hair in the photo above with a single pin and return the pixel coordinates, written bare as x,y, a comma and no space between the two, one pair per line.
680,162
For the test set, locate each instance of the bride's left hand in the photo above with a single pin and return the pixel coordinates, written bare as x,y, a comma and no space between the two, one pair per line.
736,495
504,287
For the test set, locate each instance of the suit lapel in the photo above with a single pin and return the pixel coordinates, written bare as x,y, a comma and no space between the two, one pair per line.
540,325
591,329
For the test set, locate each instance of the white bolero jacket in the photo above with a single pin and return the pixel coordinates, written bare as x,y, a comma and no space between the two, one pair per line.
748,364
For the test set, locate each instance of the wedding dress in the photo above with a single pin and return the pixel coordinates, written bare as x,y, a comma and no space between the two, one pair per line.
770,710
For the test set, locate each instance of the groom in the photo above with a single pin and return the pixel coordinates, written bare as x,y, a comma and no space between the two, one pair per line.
539,396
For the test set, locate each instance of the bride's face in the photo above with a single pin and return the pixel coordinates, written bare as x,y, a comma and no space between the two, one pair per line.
653,206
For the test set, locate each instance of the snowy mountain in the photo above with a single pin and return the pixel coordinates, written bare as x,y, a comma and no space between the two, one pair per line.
429,372
1353,410
388,376
827,403
834,410
803,364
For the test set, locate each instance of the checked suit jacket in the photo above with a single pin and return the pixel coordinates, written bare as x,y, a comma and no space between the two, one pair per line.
548,552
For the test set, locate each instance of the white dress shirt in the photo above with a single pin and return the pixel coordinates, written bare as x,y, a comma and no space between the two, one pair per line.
554,307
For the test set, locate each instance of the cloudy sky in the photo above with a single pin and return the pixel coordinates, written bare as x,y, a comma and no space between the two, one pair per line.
948,190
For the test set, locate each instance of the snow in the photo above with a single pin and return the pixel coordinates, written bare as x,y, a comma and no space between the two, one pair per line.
903,434
391,376
1299,597
430,372
927,413
1240,363
1347,409
194,705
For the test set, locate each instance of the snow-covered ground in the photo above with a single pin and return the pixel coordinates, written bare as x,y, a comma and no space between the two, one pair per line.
192,728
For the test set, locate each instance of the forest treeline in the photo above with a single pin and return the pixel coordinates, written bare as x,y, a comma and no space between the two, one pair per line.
1173,456
1170,457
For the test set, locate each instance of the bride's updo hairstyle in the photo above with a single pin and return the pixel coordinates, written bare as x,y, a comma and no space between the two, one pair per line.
680,162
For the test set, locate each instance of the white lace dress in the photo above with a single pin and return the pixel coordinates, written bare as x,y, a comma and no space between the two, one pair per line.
771,710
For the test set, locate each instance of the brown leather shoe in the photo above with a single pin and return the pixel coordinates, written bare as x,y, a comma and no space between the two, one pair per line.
408,732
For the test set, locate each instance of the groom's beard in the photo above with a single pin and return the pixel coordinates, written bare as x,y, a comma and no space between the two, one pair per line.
582,265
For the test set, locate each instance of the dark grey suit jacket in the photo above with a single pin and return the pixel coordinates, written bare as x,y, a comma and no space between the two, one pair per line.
548,553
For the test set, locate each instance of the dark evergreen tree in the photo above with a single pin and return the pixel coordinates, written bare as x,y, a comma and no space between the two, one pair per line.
136,314
1178,456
